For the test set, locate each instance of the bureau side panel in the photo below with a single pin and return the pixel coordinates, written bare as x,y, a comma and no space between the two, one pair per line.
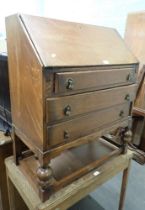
25,72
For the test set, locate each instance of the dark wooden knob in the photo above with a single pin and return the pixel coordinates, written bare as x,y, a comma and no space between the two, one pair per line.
127,97
121,114
70,84
67,110
66,135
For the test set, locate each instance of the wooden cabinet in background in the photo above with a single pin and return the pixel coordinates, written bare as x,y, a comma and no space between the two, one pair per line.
135,36
70,83
135,40
5,107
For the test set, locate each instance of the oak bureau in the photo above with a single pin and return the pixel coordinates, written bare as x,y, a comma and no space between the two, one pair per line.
70,83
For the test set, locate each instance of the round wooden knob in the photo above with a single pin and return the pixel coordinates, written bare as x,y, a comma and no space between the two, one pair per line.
70,84
66,135
67,110
127,97
121,114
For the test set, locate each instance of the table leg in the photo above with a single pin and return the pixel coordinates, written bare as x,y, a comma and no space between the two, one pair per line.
11,194
124,186
15,200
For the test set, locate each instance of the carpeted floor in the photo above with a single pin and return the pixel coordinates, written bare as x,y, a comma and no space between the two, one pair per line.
107,196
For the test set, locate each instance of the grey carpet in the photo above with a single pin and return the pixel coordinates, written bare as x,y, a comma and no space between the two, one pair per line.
107,196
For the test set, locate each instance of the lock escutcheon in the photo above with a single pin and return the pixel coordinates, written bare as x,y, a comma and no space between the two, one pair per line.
70,84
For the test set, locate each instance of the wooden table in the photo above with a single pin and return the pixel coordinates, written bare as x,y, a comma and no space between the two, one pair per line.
5,151
71,194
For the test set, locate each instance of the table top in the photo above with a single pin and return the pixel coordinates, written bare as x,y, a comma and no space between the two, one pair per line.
72,193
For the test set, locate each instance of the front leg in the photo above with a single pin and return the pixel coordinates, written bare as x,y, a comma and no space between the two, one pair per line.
45,180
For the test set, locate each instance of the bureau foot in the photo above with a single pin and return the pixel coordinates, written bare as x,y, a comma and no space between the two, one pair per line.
45,180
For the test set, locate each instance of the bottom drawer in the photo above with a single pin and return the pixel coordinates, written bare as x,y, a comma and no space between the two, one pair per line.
79,127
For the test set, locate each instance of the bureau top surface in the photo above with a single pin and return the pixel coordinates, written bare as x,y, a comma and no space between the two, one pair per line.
61,43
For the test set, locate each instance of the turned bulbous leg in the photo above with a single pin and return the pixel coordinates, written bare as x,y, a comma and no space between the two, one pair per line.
44,177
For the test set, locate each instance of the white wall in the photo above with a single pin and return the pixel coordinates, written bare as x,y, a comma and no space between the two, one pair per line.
8,7
110,13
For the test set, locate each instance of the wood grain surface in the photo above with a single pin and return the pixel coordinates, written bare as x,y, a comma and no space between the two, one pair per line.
25,82
85,125
56,107
61,43
94,80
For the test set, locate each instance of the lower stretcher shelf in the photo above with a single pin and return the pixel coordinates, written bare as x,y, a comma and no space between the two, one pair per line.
70,164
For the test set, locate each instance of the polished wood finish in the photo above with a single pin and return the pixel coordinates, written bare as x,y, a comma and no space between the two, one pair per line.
25,82
73,44
78,127
93,80
71,194
57,107
68,81
5,151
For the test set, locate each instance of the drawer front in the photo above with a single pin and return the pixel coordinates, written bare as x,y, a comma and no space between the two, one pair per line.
63,108
78,127
69,82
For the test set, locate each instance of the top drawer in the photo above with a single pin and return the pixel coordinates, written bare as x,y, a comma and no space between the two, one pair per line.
69,82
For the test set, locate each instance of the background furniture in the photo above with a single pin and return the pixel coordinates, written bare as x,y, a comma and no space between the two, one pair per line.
135,40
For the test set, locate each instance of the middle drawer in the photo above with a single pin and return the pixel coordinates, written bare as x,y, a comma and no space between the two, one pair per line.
62,108
67,131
